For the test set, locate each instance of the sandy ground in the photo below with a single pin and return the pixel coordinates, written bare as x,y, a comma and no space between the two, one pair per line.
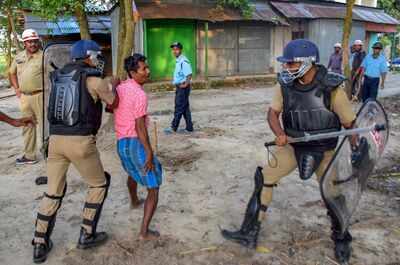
207,182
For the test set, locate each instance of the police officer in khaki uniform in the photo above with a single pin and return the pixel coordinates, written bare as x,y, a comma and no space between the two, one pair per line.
26,78
75,111
310,100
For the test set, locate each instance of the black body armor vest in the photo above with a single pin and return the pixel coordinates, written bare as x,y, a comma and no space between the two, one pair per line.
307,109
72,110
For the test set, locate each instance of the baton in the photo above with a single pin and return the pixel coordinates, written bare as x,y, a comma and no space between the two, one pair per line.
308,137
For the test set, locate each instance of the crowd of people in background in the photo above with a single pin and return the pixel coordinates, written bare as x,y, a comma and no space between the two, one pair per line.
368,70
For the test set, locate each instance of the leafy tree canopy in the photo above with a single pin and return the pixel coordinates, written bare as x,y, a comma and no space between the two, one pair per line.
243,5
392,7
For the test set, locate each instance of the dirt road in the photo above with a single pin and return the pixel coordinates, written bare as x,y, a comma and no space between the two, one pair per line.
207,182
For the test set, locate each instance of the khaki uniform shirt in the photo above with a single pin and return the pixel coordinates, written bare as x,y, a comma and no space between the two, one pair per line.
100,89
28,69
340,104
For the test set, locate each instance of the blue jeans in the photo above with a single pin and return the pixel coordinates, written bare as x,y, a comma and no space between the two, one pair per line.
182,108
370,88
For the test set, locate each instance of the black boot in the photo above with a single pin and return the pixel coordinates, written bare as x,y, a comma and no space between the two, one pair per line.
41,251
247,235
342,241
342,247
87,240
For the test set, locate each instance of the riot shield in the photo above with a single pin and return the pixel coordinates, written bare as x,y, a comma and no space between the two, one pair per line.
55,56
345,177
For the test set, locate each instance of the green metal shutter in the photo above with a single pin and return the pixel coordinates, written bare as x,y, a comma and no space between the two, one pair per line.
159,36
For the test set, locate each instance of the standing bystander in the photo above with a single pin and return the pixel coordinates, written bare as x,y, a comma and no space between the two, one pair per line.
374,68
26,78
335,61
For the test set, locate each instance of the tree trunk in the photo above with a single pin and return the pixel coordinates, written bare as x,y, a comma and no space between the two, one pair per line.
8,46
129,29
11,23
82,21
121,38
345,43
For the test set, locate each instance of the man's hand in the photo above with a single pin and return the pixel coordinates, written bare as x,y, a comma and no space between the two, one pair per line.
24,122
115,81
149,165
383,85
281,140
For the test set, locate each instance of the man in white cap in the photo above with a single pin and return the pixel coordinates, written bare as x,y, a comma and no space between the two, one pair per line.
357,58
26,78
335,61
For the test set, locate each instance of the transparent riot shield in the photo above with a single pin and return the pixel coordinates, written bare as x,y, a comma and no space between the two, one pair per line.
345,177
55,56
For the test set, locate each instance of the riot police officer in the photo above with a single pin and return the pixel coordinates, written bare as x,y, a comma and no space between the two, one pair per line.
310,100
74,115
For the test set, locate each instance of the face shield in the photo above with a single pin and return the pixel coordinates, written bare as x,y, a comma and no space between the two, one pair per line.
97,59
289,74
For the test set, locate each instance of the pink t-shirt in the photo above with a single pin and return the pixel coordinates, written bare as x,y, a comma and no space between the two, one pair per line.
132,105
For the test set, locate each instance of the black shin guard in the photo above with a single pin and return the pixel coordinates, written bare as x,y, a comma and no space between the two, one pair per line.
342,241
41,248
50,219
97,206
247,235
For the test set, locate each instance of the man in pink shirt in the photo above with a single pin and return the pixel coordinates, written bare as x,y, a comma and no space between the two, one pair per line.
134,149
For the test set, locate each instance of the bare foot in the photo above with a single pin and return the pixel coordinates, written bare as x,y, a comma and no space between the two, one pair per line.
137,203
150,235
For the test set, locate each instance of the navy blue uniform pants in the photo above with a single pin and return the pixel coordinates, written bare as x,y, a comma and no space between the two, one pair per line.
182,108
370,88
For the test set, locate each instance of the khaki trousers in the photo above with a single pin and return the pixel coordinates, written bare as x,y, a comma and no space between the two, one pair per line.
82,152
285,164
32,105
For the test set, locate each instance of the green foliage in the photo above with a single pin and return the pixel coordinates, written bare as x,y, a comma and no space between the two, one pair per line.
3,65
390,7
243,5
386,40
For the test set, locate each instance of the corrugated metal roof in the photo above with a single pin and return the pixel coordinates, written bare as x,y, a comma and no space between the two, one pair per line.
262,12
313,11
67,25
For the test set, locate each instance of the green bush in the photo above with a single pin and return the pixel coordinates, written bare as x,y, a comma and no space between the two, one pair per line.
3,65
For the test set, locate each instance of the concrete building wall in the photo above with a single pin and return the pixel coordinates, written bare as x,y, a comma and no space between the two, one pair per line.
326,32
234,48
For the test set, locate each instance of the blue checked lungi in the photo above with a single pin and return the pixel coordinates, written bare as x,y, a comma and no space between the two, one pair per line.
133,157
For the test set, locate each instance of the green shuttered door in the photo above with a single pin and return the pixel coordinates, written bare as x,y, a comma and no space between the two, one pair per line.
159,36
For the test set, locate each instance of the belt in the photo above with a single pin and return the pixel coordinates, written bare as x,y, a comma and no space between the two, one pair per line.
32,93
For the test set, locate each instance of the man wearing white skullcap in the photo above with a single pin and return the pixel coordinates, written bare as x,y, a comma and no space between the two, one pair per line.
335,61
357,58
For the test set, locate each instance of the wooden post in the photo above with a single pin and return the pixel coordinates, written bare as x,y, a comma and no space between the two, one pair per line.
155,138
345,43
